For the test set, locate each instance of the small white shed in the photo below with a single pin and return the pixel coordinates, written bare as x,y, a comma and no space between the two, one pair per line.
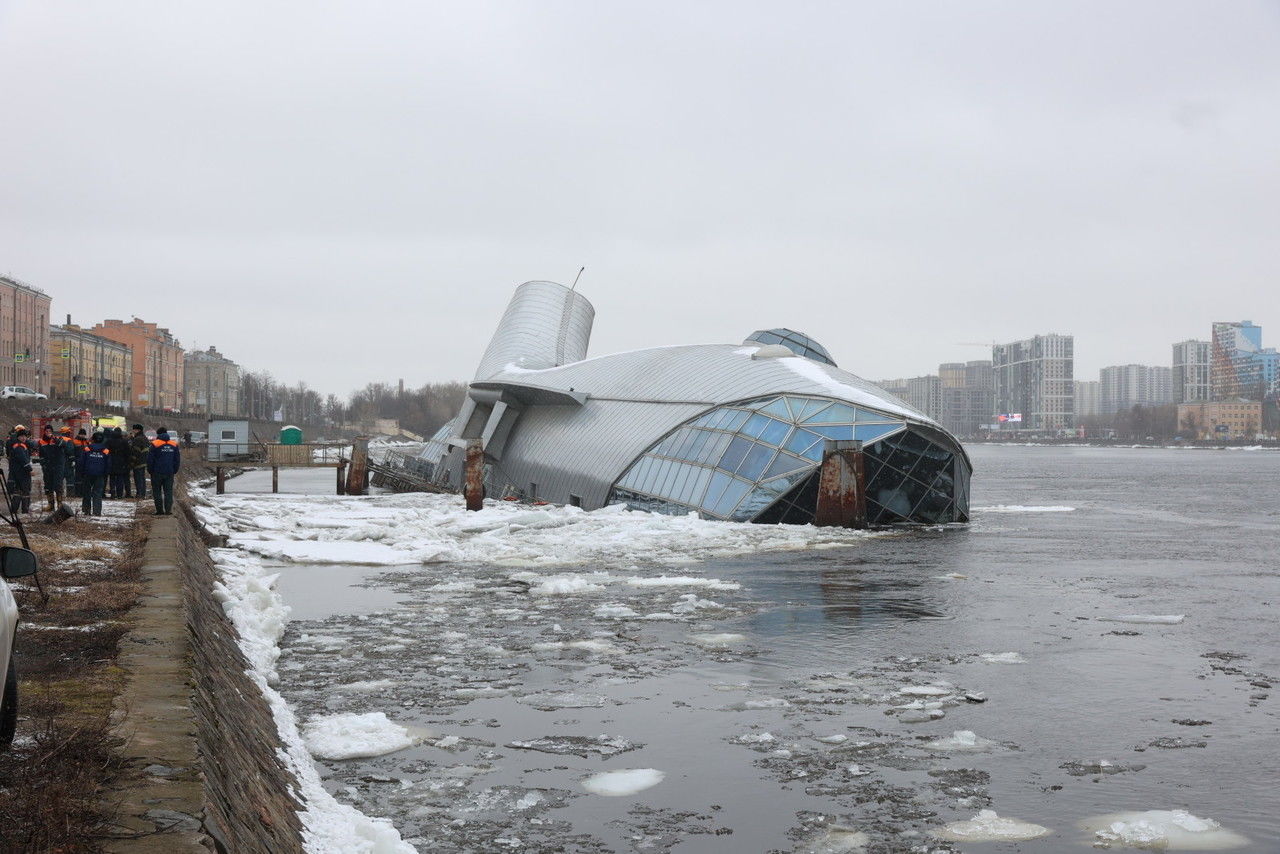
228,440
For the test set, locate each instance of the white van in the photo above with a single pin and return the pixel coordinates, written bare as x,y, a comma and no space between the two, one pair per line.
14,563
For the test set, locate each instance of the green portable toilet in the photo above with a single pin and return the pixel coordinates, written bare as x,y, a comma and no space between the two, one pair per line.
290,435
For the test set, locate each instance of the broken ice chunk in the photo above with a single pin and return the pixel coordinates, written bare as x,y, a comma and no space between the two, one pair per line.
354,736
717,640
616,784
963,740
1163,830
986,826
1152,619
1003,658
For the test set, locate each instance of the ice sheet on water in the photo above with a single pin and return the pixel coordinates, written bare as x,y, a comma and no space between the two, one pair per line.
1023,508
682,581
354,736
1163,830
592,645
422,528
835,840
1149,619
761,703
690,603
569,585
254,608
617,784
550,702
987,826
615,611
577,745
961,740
1003,658
718,640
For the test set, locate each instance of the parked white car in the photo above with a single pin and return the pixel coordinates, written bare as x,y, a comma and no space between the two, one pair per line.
14,563
20,392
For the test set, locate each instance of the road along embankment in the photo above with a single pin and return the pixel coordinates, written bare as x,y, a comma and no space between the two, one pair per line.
198,736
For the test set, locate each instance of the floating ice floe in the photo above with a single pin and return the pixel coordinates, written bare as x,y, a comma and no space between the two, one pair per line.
418,528
354,736
577,745
1162,830
838,738
925,691
961,740
1003,658
1023,508
615,611
987,826
718,640
616,784
1151,619
762,703
563,700
836,840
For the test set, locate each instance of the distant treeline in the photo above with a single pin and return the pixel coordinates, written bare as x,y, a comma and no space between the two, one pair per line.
420,410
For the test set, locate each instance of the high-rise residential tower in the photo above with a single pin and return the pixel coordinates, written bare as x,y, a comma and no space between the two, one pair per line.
1033,381
1239,367
967,396
1123,387
1191,371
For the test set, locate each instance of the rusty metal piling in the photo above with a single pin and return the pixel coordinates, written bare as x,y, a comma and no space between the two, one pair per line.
357,471
842,486
473,475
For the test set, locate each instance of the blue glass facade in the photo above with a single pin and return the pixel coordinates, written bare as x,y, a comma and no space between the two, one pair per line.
735,462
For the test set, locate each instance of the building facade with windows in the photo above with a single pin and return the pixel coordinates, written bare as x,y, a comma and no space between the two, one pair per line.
158,362
1122,387
1034,381
1239,365
211,383
967,396
88,368
1191,361
728,431
920,393
24,335
1087,393
1221,419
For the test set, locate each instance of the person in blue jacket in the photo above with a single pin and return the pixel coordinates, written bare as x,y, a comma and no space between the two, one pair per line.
163,461
95,463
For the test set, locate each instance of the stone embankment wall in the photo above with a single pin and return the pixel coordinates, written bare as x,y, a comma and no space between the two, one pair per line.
249,805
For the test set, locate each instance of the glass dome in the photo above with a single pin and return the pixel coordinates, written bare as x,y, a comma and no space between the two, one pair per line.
757,461
796,342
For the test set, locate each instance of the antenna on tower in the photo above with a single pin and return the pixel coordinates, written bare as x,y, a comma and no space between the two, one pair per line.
574,286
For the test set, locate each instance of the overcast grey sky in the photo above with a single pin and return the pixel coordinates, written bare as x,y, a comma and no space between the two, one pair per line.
344,192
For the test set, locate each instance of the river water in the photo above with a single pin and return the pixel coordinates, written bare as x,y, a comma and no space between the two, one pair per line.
807,702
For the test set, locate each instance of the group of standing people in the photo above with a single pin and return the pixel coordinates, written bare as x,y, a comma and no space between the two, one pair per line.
106,463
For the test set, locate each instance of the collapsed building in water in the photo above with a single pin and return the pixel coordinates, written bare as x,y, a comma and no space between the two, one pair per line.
728,431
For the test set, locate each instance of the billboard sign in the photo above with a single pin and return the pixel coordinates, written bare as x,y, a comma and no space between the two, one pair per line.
1010,418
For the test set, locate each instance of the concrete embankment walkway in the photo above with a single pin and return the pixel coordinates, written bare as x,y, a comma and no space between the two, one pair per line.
199,741
160,799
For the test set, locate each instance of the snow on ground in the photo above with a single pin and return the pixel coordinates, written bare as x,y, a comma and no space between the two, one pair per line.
1162,830
354,736
419,528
